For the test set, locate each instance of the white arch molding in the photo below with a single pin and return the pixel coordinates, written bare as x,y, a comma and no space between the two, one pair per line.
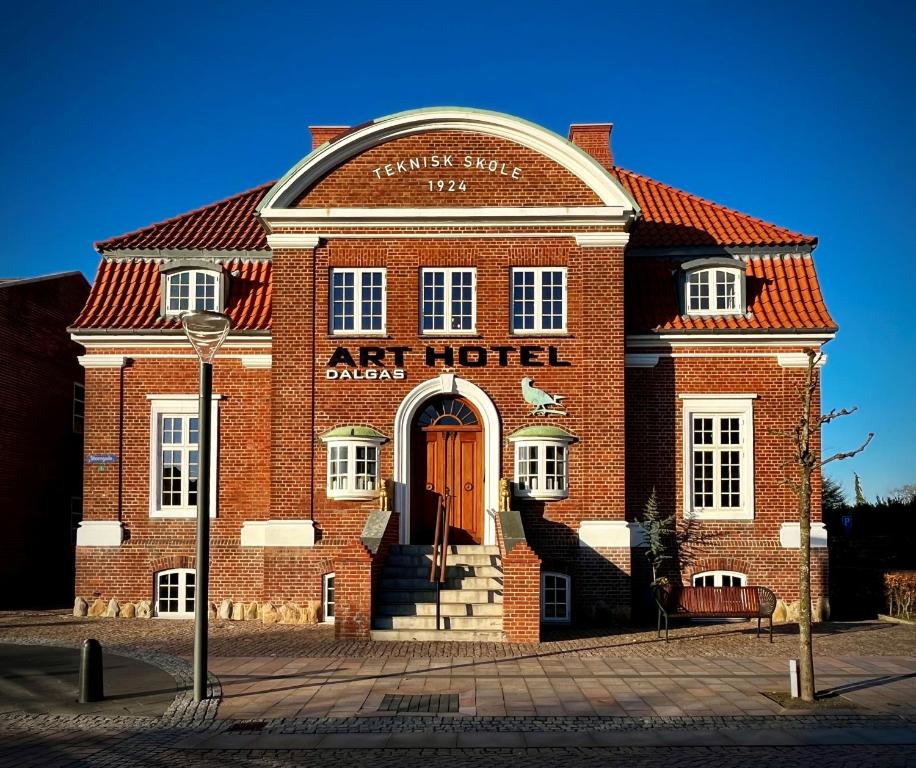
447,384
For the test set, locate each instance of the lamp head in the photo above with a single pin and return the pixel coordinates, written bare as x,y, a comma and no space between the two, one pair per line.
206,331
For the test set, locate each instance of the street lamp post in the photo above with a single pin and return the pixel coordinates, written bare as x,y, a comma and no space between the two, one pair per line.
206,331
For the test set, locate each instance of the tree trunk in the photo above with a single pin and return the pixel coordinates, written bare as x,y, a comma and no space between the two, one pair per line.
806,649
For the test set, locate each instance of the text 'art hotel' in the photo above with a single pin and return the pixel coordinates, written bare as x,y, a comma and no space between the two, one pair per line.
443,299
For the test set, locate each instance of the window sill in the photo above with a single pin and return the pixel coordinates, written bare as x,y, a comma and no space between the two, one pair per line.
171,616
542,495
184,514
358,334
352,495
554,332
555,622
717,514
473,334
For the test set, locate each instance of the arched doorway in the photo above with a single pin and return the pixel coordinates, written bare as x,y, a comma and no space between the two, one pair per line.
448,459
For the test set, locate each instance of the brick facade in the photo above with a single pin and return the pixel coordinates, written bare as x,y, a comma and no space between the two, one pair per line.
272,464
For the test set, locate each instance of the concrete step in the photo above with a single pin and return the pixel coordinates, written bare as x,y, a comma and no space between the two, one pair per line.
447,622
448,609
470,582
432,635
420,561
448,596
455,549
451,571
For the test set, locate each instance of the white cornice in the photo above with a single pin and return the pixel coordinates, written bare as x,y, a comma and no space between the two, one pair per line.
798,360
256,361
176,340
103,361
602,239
740,339
292,240
717,396
638,360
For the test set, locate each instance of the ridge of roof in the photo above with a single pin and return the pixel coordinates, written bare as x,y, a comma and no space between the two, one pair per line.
102,245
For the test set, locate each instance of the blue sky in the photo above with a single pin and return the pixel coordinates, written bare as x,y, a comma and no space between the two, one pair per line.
116,115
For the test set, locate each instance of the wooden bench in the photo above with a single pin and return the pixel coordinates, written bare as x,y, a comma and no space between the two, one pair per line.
714,603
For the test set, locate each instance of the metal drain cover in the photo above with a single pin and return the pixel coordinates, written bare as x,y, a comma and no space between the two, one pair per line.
422,703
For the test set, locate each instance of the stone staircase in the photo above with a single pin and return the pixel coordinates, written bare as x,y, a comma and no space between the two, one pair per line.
471,596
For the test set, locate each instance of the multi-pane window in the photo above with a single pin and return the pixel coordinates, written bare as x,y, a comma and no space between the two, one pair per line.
719,579
713,291
352,469
541,469
538,300
555,597
718,452
79,408
175,457
357,301
179,468
190,289
175,593
327,589
448,300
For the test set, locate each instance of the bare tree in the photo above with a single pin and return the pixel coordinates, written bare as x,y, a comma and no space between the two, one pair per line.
807,460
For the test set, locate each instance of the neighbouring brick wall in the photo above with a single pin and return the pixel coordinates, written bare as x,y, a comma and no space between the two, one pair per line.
521,590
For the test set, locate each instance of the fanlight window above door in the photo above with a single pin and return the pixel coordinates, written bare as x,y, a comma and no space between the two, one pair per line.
450,412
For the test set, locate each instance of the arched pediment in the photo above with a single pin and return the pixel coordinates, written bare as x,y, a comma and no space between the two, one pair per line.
389,162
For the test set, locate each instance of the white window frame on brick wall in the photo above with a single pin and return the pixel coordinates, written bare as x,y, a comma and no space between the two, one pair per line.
714,286
183,406
328,586
359,315
447,301
567,618
344,446
718,577
204,289
535,450
718,407
180,592
538,315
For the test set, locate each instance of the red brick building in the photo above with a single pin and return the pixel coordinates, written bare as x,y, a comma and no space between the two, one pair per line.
443,298
41,437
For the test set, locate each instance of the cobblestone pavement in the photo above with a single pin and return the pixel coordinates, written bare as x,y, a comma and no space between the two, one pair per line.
239,638
301,699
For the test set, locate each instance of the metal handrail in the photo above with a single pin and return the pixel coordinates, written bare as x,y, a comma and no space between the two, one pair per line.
440,553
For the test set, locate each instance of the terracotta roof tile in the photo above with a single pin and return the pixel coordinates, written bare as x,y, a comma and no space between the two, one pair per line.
674,218
125,296
782,291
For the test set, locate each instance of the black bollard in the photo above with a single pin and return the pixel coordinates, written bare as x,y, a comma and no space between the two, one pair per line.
91,688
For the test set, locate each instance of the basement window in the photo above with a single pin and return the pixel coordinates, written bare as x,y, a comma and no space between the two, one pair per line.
175,593
327,598
719,579
556,598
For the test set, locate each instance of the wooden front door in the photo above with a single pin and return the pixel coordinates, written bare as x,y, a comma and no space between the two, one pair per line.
447,458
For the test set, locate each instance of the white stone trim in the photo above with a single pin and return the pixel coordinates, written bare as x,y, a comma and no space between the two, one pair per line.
103,361
639,360
176,339
292,240
447,383
256,361
798,360
497,217
602,239
331,155
735,339
718,396
790,535
277,533
100,533
604,534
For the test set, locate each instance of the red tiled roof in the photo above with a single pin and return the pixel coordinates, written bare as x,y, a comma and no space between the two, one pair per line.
782,294
125,295
228,225
672,218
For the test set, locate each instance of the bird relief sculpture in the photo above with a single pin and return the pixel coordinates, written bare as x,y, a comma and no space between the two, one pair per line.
542,403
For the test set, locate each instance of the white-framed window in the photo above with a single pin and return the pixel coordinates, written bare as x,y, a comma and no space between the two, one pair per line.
541,462
448,300
357,301
327,598
353,462
76,516
718,436
187,290
556,598
79,408
174,464
538,300
714,286
175,591
719,579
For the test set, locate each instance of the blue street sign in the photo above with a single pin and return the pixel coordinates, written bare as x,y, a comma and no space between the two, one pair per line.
101,458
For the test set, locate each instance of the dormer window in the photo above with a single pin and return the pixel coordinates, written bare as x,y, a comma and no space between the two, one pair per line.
190,288
714,287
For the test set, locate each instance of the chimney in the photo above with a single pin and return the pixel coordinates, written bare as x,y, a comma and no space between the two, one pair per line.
323,133
594,138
